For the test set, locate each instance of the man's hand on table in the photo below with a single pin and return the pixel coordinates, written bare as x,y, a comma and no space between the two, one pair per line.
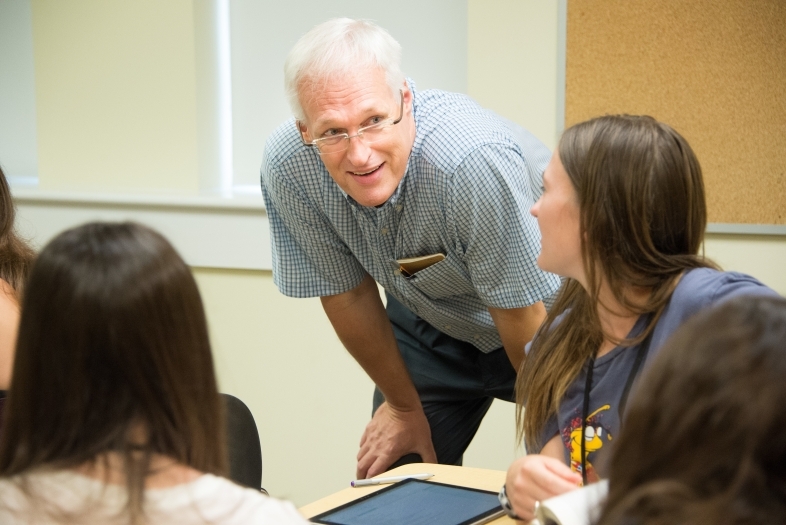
391,434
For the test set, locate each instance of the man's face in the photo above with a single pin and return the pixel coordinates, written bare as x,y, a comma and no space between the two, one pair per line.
369,173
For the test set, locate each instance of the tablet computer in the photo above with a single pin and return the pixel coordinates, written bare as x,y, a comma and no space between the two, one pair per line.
417,502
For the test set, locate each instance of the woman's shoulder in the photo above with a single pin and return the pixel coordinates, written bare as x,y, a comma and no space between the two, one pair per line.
702,288
208,498
39,496
706,286
225,503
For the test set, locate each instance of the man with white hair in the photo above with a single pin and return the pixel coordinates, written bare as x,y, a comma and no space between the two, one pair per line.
427,194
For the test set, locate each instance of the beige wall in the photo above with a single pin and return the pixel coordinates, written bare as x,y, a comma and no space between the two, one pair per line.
512,62
762,256
115,94
281,356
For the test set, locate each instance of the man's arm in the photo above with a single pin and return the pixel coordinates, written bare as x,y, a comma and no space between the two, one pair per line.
399,425
517,327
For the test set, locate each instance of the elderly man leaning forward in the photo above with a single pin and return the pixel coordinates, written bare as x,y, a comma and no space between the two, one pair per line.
372,171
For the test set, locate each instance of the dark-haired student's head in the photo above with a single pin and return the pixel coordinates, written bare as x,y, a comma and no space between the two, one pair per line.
112,356
704,441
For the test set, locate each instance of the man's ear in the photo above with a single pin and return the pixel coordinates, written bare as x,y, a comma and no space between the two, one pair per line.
407,94
301,127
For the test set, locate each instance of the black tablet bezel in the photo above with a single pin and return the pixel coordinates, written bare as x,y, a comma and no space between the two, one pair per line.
478,518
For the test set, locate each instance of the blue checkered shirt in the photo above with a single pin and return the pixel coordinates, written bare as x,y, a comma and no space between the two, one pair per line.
470,182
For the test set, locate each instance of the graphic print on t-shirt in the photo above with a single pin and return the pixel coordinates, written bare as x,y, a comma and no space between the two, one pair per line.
593,439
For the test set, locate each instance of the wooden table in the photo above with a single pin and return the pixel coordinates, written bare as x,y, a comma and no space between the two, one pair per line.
476,478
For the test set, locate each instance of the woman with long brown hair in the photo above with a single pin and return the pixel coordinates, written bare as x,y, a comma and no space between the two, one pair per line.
113,415
705,437
622,219
15,260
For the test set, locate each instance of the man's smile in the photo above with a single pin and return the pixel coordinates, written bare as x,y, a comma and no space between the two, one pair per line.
366,173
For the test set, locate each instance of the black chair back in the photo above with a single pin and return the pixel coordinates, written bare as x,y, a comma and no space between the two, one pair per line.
245,451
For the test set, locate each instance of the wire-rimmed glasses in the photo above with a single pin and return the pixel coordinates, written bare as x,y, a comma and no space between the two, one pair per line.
368,134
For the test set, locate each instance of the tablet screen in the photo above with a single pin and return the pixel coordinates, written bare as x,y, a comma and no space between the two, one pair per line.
417,502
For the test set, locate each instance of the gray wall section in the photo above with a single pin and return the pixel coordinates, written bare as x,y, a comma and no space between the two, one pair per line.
18,151
432,33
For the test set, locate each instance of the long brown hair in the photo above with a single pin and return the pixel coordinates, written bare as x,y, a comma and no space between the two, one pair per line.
642,220
705,437
16,256
112,338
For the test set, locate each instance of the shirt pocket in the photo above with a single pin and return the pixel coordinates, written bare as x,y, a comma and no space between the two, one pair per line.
446,278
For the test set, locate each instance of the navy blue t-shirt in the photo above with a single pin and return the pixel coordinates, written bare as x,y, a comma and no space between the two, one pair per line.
697,290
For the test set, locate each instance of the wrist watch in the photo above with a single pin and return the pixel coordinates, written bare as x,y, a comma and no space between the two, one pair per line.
505,503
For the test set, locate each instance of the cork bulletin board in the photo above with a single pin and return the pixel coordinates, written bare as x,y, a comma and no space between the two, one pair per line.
715,70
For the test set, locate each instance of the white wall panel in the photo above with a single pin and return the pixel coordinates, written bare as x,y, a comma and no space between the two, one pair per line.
18,152
208,233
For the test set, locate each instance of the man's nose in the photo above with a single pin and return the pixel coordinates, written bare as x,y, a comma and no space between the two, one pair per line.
358,151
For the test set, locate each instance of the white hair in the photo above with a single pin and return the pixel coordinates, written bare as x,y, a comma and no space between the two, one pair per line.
337,47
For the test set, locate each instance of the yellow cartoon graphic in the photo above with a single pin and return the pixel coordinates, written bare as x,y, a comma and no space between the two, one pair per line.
593,440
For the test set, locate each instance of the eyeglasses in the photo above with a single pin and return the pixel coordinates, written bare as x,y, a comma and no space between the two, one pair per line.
368,134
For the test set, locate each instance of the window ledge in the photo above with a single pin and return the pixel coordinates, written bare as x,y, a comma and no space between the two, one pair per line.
746,229
239,200
209,230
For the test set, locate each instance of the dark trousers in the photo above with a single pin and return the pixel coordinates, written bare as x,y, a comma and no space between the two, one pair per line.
456,382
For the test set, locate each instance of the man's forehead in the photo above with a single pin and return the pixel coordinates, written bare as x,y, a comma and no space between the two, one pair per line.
343,78
337,113
358,92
